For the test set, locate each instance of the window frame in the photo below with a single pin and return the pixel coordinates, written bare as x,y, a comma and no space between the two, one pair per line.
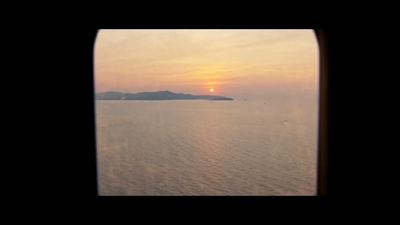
322,37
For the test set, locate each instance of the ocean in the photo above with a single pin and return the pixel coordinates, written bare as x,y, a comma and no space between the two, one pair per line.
200,147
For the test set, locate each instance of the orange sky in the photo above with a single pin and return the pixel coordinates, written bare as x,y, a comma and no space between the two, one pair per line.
235,63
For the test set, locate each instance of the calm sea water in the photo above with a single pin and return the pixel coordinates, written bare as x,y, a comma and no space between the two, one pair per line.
198,147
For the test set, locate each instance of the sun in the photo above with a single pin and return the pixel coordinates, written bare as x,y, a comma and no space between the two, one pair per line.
211,90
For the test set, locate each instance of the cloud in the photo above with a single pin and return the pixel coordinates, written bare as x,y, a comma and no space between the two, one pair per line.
147,58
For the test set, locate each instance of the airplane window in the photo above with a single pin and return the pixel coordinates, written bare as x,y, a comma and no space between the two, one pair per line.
206,112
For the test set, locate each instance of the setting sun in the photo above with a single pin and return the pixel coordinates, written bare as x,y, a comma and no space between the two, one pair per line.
211,90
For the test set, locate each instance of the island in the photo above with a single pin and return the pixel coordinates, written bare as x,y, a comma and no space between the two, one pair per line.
220,98
159,95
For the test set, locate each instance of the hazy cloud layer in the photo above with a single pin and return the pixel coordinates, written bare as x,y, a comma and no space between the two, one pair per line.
236,63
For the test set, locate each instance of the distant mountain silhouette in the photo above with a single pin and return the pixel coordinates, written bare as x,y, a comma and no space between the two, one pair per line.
159,95
220,98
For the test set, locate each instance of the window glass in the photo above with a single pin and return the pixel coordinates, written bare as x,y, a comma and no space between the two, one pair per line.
206,112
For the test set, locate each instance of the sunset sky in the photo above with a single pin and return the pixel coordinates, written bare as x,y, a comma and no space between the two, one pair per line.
234,63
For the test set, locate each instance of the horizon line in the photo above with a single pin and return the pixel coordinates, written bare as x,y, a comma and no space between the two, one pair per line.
140,92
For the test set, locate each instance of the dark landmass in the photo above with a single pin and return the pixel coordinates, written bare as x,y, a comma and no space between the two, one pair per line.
159,95
221,98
